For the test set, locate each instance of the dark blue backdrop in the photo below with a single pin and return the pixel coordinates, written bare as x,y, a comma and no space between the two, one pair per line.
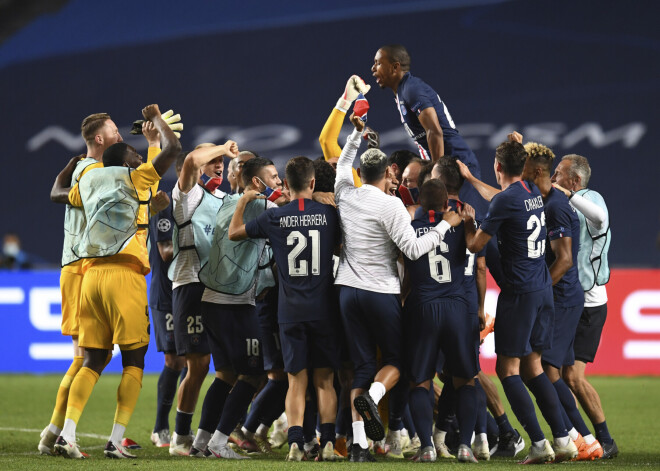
581,77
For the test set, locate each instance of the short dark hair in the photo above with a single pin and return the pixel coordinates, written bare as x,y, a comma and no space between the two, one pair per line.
401,158
433,195
252,167
325,176
512,157
299,172
450,173
373,163
115,155
424,172
91,124
397,53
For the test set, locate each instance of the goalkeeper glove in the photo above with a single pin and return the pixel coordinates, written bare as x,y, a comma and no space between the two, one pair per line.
354,86
172,120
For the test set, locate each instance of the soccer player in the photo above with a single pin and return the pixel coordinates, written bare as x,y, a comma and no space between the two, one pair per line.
438,320
233,280
303,235
525,310
99,132
375,226
424,115
572,175
113,306
563,227
195,209
160,304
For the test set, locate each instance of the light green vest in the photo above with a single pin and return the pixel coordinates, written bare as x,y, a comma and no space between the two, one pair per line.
593,268
234,267
111,205
203,224
74,218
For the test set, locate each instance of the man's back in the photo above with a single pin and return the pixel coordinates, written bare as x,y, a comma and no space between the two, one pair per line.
516,215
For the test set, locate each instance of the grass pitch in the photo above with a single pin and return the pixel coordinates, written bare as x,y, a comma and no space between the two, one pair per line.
26,403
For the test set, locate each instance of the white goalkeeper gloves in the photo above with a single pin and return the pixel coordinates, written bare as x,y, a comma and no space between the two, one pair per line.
354,87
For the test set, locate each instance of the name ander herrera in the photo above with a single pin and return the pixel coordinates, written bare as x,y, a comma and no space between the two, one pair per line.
303,220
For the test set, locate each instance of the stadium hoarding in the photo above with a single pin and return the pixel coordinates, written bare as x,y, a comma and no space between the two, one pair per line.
30,309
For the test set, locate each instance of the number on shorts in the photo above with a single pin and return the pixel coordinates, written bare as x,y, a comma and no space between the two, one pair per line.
195,325
300,241
439,265
169,321
535,247
252,347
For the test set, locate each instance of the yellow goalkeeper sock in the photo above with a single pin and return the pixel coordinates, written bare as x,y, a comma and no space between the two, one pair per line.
128,393
81,388
59,412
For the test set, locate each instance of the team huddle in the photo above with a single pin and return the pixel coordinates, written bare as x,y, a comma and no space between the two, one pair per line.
336,302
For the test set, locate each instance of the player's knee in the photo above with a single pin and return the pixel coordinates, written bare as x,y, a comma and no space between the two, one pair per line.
198,365
134,357
277,375
174,362
95,360
571,377
226,375
253,380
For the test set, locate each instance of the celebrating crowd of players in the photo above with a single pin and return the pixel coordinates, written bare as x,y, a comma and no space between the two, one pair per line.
318,296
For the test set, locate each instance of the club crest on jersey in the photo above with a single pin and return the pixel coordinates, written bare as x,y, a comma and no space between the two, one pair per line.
164,225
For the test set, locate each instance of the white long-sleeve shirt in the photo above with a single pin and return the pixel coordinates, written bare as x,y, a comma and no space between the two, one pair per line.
374,226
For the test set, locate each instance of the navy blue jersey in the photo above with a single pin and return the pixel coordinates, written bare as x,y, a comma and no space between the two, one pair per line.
413,96
438,274
516,216
160,230
303,235
562,221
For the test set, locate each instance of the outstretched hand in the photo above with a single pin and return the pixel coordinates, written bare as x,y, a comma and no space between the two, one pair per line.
357,122
159,202
464,170
354,86
515,137
562,189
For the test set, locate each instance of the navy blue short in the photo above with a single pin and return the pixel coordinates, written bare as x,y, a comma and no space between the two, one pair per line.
310,344
189,334
270,331
523,322
163,323
233,332
371,320
563,334
588,332
444,326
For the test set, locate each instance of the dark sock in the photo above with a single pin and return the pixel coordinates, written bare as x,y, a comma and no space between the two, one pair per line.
259,406
275,406
602,433
235,406
407,420
503,424
309,421
466,412
344,421
491,425
165,396
397,402
296,435
327,434
482,411
422,415
214,402
568,404
522,406
182,423
548,402
446,403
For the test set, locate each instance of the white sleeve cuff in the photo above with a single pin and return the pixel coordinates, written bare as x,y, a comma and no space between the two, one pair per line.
442,228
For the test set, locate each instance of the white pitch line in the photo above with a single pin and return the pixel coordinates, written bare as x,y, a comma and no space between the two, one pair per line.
34,430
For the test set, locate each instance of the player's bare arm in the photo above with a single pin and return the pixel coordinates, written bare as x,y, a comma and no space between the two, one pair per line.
429,119
171,145
475,239
561,247
159,202
486,191
480,278
236,227
199,157
151,134
60,191
166,250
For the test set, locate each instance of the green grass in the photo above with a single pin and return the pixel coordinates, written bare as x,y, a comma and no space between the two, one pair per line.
26,402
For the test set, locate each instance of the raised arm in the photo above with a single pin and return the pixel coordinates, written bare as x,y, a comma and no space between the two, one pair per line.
199,157
60,191
171,145
485,190
594,214
347,156
428,118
